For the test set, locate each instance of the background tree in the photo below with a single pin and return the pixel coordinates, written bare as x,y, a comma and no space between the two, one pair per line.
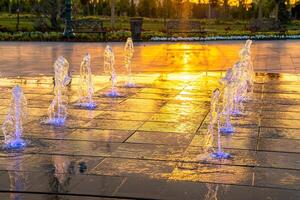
167,9
104,7
85,4
52,9
242,9
225,8
112,14
212,8
132,12
177,7
282,14
94,4
260,9
147,8
9,6
123,7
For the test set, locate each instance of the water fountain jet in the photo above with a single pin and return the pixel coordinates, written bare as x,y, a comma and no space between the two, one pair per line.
240,88
227,127
12,127
109,67
245,58
215,121
86,87
57,111
129,50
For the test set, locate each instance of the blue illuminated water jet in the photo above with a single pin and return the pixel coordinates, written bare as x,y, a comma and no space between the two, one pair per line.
215,121
128,51
113,94
16,144
227,127
12,127
57,111
109,67
89,106
221,155
86,86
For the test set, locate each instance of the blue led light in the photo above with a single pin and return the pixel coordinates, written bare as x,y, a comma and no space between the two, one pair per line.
113,94
221,155
90,106
56,121
15,144
227,130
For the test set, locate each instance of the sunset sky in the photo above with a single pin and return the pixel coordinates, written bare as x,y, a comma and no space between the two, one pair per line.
231,2
235,2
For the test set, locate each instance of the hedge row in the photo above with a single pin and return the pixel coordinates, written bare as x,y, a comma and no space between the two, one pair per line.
123,35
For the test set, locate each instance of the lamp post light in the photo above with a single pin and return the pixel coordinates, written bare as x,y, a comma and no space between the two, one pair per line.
68,32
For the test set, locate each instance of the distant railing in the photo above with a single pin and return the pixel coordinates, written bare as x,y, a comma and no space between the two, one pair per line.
89,26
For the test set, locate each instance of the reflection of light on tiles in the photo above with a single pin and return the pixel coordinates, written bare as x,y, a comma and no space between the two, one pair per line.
186,58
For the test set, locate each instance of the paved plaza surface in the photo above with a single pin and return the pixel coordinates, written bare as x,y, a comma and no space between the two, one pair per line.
37,58
148,144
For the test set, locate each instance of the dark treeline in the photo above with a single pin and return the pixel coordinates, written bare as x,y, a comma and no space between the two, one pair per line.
215,9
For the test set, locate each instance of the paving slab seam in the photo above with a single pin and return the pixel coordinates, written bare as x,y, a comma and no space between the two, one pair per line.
79,195
280,127
42,153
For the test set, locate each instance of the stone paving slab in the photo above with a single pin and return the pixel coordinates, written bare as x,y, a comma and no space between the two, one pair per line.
163,138
149,144
210,173
279,133
191,190
280,145
271,56
117,136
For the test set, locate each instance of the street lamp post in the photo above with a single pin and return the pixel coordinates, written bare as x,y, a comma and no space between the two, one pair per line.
68,32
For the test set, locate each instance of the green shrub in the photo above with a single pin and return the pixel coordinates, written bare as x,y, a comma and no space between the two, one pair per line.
40,24
123,35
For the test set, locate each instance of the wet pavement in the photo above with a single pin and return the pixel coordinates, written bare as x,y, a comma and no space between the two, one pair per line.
38,57
148,144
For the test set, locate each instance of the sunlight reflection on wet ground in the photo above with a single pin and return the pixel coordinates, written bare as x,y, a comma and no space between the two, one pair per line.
38,57
152,138
146,144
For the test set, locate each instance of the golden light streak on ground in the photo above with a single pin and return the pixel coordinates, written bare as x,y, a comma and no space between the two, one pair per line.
149,58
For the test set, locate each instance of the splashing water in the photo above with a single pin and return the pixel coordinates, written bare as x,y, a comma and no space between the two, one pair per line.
12,127
240,88
57,111
86,87
227,128
129,50
245,58
242,78
215,121
109,67
250,67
